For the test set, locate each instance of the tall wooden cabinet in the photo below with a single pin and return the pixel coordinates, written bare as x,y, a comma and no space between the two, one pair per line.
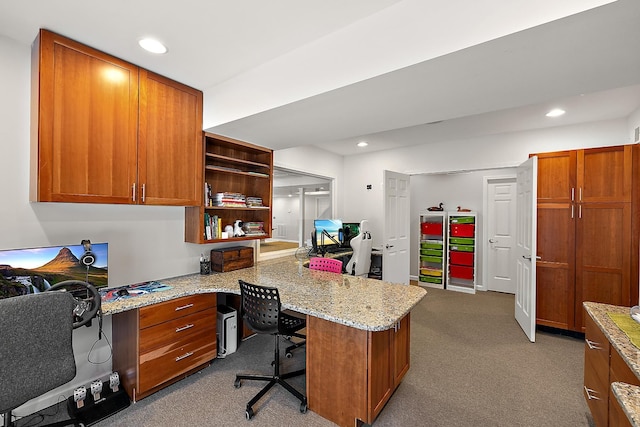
107,131
233,167
585,205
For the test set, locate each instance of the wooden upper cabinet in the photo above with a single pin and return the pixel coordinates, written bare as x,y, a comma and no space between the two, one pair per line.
170,160
84,123
96,140
604,174
556,176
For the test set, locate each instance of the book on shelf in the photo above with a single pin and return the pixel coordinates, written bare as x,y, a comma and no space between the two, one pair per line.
229,199
254,201
211,226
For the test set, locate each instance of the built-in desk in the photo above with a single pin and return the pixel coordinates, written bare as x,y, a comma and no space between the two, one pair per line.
358,330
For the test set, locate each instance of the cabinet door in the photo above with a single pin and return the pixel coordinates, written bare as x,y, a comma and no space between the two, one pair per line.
170,163
596,372
402,348
380,371
604,174
555,270
87,106
603,255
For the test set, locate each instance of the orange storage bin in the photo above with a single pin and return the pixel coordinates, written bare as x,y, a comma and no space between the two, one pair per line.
463,230
461,258
461,272
431,228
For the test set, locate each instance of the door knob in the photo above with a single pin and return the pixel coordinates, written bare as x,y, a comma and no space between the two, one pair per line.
388,246
493,241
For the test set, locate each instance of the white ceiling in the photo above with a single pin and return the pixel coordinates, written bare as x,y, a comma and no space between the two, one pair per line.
514,62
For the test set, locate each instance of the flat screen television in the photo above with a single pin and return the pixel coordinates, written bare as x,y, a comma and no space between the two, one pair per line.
34,270
328,232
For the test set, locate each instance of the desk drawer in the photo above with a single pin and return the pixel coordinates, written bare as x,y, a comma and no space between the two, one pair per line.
178,330
158,313
164,363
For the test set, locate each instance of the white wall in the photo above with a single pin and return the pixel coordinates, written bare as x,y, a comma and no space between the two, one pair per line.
286,211
145,243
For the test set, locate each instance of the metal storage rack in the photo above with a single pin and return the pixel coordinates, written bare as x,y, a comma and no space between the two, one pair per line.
432,246
461,252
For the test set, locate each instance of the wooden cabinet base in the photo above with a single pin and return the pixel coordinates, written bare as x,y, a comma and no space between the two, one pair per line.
352,373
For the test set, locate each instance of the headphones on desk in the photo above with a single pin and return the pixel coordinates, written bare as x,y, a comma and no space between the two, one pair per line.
88,258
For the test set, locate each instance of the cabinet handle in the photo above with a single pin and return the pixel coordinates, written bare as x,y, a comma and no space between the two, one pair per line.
133,192
573,193
184,356
185,327
593,345
143,192
581,194
589,395
183,307
572,210
579,211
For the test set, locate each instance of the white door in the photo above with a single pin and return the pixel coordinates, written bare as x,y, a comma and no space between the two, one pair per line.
525,251
395,252
501,231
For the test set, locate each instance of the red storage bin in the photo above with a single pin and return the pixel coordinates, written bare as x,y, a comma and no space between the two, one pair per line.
463,230
461,272
461,258
432,228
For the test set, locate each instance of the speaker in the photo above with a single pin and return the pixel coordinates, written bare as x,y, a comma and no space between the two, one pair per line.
88,258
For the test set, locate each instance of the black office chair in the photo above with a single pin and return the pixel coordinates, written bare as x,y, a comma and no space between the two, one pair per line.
260,308
36,351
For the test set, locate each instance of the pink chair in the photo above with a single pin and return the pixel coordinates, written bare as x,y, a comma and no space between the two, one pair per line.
326,264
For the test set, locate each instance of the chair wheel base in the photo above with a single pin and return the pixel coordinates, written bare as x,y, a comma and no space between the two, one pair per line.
249,413
303,408
237,383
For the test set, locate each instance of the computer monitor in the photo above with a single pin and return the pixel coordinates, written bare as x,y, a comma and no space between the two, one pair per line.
34,270
328,232
349,231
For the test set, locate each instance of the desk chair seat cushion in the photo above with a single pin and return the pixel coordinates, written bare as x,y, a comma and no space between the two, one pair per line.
36,352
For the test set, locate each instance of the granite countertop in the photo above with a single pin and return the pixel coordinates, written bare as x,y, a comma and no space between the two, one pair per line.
629,352
361,303
627,395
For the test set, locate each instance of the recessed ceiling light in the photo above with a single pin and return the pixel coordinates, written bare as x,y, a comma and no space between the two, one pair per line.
152,45
556,112
362,144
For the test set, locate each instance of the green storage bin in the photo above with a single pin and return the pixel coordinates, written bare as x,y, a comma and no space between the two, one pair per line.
431,252
431,279
461,248
437,259
463,220
431,244
462,240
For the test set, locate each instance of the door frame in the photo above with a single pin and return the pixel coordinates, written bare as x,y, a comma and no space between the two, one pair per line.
486,181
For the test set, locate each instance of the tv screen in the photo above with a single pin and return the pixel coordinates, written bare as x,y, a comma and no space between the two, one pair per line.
328,231
34,270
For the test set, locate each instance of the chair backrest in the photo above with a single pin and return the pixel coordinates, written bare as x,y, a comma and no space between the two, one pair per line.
36,353
360,261
326,264
260,307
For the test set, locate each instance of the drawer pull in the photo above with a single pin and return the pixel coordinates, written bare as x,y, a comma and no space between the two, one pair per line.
185,327
593,345
589,395
184,356
183,307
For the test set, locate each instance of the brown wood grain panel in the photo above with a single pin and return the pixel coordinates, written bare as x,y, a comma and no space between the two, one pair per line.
619,371
336,371
381,374
124,332
402,347
554,296
175,308
617,416
170,163
604,174
178,330
87,123
596,372
556,176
